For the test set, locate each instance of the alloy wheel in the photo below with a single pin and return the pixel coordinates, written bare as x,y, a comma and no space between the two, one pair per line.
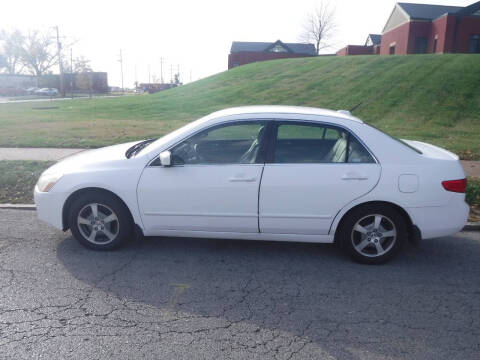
373,235
98,223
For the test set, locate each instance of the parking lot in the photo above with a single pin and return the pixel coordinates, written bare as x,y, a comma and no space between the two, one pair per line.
204,299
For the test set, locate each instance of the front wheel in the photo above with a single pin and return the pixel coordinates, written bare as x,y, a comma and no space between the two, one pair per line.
100,221
373,234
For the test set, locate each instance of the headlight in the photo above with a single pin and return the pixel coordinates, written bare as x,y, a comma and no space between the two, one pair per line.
47,181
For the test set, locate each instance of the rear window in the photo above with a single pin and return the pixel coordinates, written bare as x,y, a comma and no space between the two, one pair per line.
396,139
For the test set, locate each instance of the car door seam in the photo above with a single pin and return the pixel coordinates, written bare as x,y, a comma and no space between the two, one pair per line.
258,198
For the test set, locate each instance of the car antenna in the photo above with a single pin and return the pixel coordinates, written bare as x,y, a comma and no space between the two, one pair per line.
356,106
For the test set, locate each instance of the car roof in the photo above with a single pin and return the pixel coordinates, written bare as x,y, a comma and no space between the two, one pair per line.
284,109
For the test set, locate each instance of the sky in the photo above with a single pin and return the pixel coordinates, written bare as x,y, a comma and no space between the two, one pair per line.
192,36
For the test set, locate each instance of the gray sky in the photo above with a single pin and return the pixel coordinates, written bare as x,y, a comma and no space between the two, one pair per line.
194,34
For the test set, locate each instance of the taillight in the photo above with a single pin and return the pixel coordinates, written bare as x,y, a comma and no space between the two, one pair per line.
458,186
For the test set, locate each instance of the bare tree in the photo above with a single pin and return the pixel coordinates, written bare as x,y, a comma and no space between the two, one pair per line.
81,65
320,26
39,52
10,51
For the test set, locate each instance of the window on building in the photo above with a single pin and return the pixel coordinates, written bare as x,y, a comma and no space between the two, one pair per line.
474,44
278,49
392,50
236,63
421,45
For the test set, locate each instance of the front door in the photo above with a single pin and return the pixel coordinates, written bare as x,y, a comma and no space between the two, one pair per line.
212,186
314,172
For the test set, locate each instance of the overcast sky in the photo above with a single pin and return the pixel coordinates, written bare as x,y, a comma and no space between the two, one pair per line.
193,34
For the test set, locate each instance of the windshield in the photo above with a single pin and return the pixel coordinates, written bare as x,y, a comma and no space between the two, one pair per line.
168,137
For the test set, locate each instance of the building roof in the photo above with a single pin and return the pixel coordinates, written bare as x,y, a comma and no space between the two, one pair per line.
376,38
295,48
427,11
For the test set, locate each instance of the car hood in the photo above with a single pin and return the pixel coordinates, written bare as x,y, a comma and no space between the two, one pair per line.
92,159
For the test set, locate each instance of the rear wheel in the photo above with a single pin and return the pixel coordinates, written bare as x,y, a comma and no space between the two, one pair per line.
100,221
373,234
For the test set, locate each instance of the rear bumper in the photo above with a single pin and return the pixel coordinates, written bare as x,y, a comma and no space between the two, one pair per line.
49,207
438,221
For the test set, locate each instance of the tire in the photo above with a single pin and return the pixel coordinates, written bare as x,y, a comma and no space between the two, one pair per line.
108,230
373,234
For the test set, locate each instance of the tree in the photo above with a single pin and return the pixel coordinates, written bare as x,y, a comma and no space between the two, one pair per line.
320,26
38,52
11,48
81,65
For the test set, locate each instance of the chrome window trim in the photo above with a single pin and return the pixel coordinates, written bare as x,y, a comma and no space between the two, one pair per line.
274,119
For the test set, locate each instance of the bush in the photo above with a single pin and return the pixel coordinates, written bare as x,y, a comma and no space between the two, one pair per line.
473,191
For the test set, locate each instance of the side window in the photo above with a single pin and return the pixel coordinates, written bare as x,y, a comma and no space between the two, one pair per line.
357,152
312,143
237,143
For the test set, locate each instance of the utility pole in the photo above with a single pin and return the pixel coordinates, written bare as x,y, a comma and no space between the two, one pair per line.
136,80
121,69
71,71
60,65
171,73
161,70
178,72
149,74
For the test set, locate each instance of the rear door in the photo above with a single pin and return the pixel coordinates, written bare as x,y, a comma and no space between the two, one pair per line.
313,170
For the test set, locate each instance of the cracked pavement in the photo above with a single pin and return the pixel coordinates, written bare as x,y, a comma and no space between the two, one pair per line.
202,299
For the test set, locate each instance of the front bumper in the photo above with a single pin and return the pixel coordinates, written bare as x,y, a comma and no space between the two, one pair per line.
49,207
438,221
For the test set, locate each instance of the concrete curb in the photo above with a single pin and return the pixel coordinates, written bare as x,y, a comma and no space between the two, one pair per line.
471,226
18,206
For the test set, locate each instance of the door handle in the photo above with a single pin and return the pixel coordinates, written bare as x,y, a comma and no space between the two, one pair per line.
354,177
239,179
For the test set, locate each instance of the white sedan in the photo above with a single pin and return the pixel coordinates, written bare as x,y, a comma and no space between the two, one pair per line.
261,173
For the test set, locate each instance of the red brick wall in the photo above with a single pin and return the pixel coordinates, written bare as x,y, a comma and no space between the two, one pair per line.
243,58
468,26
418,29
399,35
356,50
444,27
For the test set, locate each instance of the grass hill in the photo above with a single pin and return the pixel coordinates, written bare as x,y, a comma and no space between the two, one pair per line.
435,98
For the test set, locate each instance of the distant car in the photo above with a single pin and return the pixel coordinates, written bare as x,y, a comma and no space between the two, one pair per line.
261,173
46,92
31,90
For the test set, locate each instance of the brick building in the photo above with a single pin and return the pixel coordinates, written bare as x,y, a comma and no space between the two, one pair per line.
371,47
242,53
423,28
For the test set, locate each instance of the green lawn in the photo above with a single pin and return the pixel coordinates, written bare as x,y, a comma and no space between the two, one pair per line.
18,178
434,98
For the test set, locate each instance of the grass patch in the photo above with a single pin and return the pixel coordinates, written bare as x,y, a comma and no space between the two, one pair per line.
473,191
431,98
18,178
424,97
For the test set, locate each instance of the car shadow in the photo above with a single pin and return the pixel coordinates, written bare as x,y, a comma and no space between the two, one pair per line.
309,291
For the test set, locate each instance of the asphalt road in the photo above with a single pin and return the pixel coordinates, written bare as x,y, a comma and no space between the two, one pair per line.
218,299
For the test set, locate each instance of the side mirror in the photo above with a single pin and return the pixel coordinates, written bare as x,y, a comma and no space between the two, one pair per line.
166,158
